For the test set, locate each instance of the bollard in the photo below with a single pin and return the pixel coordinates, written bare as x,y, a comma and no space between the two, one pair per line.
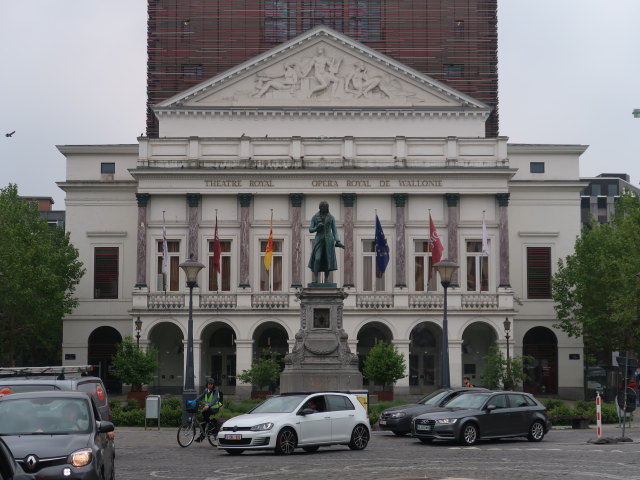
598,415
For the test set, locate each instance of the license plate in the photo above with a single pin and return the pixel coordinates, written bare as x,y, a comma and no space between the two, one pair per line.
426,428
382,422
233,436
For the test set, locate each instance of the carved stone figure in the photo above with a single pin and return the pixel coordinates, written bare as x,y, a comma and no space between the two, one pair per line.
360,84
288,81
323,254
325,72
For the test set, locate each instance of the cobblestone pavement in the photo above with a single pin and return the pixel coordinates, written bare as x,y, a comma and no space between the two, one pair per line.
563,454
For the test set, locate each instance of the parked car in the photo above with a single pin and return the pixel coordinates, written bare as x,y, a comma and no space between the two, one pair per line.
479,415
309,421
9,468
398,419
74,378
57,435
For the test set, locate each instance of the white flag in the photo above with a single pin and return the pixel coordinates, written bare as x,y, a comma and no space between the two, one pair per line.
165,252
485,240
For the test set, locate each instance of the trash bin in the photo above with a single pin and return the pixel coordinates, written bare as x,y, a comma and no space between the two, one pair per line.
152,410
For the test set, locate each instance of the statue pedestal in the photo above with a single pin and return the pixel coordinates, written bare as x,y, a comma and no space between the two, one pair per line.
321,358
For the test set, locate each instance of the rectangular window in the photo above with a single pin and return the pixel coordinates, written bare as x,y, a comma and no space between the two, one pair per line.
454,70
424,273
107,168
192,71
536,167
322,12
220,282
105,276
539,272
458,29
365,19
595,189
279,20
371,283
477,267
612,190
271,281
172,281
185,28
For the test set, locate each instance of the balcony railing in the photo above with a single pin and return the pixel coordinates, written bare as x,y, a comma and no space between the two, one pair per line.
427,301
270,300
479,301
165,301
374,301
218,301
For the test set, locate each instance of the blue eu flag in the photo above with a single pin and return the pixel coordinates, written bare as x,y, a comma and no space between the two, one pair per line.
382,250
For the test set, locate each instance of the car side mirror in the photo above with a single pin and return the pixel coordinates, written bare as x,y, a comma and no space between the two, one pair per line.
489,408
307,411
105,427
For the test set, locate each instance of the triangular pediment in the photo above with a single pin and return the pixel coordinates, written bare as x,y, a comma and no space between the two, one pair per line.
322,69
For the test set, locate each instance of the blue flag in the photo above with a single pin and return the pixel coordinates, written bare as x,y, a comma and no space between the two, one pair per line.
382,250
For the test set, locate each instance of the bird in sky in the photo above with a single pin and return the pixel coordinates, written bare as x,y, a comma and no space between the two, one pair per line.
9,134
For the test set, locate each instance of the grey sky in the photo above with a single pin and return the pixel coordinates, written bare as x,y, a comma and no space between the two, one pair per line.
74,72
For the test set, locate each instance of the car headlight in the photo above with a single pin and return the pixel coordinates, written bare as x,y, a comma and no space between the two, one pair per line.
397,414
262,426
80,458
447,421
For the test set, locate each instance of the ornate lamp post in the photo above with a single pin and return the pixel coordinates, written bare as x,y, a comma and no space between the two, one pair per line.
446,268
507,328
138,328
191,269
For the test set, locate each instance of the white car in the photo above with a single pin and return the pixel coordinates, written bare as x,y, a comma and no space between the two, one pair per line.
308,421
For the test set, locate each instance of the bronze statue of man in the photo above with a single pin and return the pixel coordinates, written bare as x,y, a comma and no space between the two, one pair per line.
323,255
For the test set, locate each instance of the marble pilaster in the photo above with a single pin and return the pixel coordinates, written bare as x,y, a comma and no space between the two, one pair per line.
401,248
193,201
347,201
453,214
245,203
141,253
296,240
503,228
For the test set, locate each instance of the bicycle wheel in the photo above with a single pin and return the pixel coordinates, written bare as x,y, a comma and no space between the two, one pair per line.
186,433
212,432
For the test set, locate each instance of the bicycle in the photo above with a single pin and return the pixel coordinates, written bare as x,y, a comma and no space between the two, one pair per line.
187,430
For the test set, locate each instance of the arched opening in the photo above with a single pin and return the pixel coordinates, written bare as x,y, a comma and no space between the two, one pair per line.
271,337
368,337
219,356
541,344
424,358
103,343
167,338
476,341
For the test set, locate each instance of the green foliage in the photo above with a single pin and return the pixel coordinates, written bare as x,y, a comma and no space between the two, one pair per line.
596,288
133,365
499,373
376,409
39,272
562,413
264,371
384,365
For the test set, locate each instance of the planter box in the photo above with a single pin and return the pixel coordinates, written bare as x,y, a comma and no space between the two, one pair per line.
138,397
576,421
384,396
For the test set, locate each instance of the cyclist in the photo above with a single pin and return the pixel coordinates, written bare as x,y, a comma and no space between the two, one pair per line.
211,399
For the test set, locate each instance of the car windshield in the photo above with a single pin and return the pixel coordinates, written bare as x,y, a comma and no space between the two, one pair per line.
468,400
285,404
434,398
44,416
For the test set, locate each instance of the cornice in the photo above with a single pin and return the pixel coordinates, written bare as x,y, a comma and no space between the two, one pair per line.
122,149
534,148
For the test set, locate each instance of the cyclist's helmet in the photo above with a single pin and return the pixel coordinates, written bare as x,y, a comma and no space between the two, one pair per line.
211,380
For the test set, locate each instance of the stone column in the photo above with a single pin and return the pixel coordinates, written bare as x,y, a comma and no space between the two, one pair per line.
503,227
245,247
296,240
452,232
455,362
244,358
401,249
401,387
347,201
141,260
193,200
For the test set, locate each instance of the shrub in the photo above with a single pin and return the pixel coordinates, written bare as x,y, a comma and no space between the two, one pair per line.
384,365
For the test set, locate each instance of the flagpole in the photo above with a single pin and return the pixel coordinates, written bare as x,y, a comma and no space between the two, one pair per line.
165,260
218,274
271,236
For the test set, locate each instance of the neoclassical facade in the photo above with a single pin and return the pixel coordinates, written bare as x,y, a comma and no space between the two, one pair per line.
323,117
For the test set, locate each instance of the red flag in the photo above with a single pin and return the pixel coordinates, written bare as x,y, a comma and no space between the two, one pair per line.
268,253
216,248
434,242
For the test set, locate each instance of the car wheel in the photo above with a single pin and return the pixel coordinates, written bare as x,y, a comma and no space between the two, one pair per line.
398,433
359,438
186,434
313,448
233,452
426,440
286,442
469,434
536,432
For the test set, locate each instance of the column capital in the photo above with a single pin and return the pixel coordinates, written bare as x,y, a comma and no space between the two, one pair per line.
401,199
245,199
503,199
296,199
143,199
452,199
193,199
348,199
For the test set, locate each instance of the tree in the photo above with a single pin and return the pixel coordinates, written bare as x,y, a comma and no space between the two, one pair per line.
384,365
39,270
597,288
499,373
264,371
134,366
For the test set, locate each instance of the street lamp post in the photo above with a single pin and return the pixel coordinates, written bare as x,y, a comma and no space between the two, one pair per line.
138,328
446,268
191,269
507,329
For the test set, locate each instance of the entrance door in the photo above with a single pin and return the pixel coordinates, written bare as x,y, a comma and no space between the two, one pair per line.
223,370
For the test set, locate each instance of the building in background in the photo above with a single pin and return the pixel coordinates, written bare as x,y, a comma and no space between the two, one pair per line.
55,218
598,199
452,41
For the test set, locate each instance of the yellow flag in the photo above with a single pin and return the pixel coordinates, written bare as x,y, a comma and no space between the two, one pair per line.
269,251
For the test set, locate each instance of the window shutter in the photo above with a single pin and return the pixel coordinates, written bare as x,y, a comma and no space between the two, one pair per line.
539,272
106,272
